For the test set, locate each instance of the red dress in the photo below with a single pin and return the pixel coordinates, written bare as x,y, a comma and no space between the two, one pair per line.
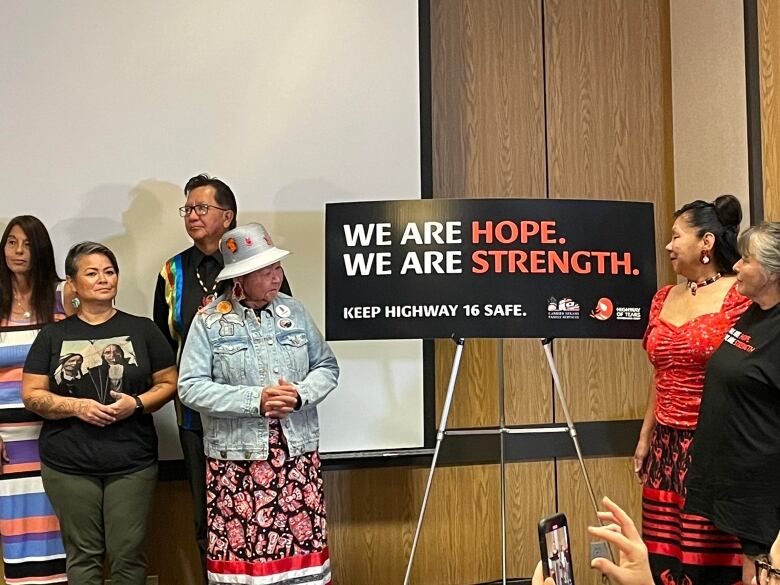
684,549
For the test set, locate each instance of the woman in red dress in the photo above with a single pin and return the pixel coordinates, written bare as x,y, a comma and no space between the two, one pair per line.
687,324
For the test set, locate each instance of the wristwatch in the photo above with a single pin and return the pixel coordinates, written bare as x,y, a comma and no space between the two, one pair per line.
139,406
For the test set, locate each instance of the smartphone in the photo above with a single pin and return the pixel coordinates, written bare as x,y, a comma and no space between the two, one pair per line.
555,549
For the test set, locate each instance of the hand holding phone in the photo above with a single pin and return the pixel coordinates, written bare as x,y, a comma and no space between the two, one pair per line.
555,549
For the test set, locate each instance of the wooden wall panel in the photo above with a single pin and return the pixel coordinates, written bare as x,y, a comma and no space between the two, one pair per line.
609,138
769,59
603,379
530,497
475,400
171,549
527,383
606,89
487,87
377,509
461,539
371,516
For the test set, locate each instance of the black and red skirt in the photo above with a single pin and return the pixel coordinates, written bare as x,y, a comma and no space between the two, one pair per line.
685,549
266,519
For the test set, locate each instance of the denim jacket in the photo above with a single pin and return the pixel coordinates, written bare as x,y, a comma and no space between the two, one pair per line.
231,355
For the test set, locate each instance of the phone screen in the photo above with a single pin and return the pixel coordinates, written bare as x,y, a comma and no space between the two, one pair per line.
556,554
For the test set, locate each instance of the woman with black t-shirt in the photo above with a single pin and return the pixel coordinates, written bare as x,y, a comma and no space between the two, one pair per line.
734,477
95,378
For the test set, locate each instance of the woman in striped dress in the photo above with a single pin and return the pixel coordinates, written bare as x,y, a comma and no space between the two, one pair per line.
30,297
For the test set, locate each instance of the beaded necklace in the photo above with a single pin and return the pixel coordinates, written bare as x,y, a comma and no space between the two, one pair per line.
694,286
209,295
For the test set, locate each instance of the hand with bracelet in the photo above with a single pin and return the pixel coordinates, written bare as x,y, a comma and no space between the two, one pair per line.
126,405
164,386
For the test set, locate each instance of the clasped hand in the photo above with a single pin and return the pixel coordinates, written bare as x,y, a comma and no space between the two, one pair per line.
102,415
278,401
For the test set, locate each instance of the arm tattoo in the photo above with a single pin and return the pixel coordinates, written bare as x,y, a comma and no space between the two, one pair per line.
44,404
41,404
70,407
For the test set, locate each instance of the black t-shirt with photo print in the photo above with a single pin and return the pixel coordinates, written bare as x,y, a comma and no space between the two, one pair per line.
734,476
88,361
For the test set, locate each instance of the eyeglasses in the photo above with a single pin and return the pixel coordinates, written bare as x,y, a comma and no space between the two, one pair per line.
200,209
766,573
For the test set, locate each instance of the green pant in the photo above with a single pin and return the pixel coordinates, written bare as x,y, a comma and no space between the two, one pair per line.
99,516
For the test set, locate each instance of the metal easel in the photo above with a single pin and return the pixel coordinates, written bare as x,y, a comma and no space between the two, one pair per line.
501,430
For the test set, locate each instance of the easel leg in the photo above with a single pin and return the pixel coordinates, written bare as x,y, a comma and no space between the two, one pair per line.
547,344
460,341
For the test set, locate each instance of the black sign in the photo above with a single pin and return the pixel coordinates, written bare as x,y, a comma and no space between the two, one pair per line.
488,268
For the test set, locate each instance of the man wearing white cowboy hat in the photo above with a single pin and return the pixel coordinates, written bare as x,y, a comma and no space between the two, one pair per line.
187,282
255,366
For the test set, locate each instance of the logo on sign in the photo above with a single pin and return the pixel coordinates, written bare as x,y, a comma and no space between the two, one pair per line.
628,313
603,309
565,308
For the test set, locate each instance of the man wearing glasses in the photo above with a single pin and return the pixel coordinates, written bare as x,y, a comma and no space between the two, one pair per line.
186,283
768,566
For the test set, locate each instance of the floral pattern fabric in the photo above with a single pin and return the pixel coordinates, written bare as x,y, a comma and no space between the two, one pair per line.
264,511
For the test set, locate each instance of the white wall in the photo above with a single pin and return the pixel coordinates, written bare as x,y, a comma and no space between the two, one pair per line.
109,107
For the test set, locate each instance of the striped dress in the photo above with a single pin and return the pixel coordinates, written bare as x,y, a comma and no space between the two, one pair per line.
29,532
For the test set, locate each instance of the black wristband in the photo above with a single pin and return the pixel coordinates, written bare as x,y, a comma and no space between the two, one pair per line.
139,406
